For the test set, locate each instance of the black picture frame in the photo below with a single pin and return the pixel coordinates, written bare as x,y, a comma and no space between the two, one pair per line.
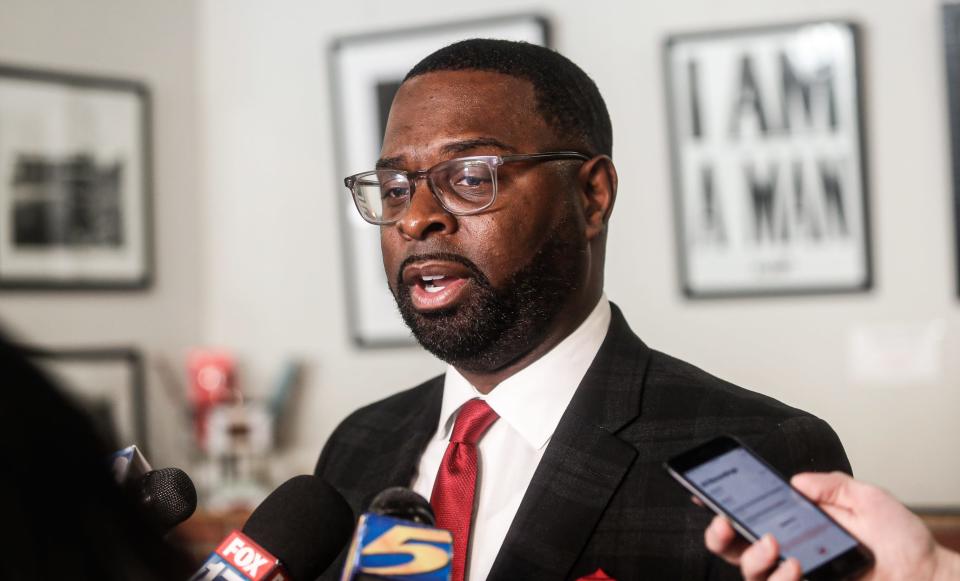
862,279
373,319
126,399
951,37
75,181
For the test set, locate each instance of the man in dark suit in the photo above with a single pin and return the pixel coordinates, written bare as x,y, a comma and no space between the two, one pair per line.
493,194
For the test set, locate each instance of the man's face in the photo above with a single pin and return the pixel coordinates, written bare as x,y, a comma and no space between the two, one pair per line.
480,291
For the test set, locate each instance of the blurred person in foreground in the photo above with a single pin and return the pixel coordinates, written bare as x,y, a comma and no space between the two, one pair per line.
541,445
902,545
64,516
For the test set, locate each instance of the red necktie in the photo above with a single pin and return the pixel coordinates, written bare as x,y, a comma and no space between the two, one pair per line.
453,491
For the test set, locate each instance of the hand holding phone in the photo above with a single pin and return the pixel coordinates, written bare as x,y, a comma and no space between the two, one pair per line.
903,546
734,482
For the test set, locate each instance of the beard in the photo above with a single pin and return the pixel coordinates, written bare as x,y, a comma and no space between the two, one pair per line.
493,326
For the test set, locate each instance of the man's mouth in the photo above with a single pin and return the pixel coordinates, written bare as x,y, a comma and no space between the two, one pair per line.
436,284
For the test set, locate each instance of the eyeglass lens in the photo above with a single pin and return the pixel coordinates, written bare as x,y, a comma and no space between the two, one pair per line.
461,185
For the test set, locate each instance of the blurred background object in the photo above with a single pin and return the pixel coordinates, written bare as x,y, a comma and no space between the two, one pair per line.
68,517
109,383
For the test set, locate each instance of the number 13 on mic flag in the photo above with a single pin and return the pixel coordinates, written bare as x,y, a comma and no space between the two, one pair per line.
389,548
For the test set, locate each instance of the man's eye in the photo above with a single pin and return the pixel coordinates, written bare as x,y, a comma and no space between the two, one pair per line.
471,178
393,193
471,181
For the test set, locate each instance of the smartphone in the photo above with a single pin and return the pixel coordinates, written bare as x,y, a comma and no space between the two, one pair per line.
735,482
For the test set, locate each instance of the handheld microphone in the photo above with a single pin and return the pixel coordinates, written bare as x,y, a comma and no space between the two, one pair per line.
165,497
396,539
295,533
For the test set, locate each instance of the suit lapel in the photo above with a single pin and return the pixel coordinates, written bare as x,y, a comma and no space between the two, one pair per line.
402,442
380,449
414,436
582,466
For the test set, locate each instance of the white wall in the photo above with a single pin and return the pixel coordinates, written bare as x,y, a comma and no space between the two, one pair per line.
154,42
275,264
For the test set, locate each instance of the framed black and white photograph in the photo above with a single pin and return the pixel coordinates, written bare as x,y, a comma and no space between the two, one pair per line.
108,383
74,181
951,35
770,188
366,71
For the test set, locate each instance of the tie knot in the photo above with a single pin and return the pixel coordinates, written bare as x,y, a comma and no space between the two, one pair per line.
473,420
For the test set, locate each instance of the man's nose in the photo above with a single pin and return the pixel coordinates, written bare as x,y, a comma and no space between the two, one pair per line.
425,216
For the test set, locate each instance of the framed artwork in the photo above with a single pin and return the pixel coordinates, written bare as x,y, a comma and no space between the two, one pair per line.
770,185
951,35
366,71
74,181
108,383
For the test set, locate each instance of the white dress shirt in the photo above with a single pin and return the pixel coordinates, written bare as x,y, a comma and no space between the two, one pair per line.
530,404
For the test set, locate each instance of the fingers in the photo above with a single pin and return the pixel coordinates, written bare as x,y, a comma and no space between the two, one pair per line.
789,570
722,540
719,535
758,561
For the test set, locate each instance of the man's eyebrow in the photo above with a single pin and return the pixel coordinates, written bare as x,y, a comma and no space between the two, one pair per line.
452,148
468,144
390,163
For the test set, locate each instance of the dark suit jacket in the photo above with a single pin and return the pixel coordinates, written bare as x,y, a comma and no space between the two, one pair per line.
600,497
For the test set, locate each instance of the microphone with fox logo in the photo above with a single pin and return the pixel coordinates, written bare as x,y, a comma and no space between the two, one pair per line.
396,539
295,533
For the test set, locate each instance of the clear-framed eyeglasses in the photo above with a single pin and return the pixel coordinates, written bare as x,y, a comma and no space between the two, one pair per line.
463,186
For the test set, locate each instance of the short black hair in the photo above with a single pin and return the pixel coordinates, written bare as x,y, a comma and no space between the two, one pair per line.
567,98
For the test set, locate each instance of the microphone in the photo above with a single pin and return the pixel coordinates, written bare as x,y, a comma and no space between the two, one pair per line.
166,497
396,539
403,503
295,533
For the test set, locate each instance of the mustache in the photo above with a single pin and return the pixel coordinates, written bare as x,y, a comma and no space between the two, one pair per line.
475,271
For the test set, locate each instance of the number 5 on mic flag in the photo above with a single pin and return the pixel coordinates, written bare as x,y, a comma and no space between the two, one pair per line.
390,548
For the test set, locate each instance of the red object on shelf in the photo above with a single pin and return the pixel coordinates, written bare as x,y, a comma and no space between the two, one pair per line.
212,382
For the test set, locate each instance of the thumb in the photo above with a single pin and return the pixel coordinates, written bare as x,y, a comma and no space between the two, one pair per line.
823,488
834,492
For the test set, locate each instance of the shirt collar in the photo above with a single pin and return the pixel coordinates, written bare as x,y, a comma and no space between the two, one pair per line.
532,400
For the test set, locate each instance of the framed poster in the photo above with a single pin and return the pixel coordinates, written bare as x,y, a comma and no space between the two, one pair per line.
951,35
770,186
109,384
366,71
74,181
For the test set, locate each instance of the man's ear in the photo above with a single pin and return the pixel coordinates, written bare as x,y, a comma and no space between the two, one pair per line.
598,191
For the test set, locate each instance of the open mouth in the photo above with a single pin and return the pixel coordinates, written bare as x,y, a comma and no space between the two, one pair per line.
436,285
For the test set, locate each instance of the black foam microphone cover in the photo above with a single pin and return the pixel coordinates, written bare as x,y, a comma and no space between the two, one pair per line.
305,523
403,503
166,497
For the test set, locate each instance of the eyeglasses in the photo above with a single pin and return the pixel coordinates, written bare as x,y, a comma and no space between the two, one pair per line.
463,186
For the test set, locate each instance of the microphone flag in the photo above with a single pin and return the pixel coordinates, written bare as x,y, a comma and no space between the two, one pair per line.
238,558
384,547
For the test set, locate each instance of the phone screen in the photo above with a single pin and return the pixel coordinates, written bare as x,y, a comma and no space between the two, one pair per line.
763,503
